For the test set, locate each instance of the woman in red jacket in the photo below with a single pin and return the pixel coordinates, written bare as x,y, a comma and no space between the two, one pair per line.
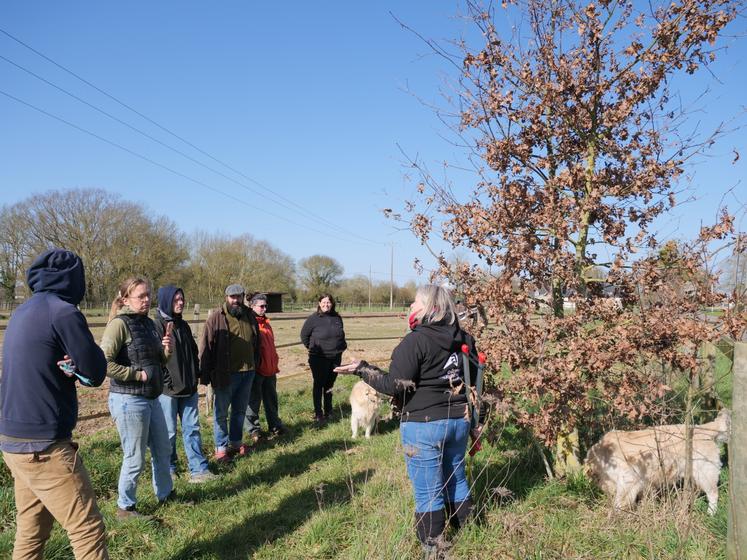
264,388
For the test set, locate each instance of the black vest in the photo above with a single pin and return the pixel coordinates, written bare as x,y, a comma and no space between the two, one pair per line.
143,352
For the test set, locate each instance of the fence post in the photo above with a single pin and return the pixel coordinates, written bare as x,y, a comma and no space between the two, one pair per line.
736,538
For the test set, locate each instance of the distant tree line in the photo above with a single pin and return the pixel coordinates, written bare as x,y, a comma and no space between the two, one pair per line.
117,238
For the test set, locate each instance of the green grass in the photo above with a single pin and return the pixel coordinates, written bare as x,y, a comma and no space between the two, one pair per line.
317,494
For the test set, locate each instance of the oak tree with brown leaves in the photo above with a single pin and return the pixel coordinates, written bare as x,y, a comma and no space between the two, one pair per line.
581,147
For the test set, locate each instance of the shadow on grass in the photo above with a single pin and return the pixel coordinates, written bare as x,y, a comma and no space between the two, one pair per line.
285,464
241,540
507,471
294,431
387,426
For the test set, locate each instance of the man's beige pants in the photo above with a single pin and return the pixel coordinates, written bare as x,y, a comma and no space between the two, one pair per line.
54,484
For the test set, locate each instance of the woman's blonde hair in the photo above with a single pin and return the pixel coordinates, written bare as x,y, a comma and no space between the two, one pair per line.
125,289
438,305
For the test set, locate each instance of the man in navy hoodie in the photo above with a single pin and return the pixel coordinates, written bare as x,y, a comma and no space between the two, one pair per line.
48,348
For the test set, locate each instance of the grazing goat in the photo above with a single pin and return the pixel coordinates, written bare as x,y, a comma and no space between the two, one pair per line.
624,464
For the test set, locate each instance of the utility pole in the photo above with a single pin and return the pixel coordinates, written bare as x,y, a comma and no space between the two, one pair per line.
369,287
391,279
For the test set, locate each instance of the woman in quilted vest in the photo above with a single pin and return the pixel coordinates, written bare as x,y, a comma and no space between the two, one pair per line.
135,356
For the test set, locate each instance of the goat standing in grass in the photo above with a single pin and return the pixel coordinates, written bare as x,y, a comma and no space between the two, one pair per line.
625,464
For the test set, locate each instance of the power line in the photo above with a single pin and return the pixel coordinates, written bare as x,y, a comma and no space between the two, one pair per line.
168,131
143,133
161,165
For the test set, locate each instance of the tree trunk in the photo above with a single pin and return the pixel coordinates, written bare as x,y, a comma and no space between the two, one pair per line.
567,454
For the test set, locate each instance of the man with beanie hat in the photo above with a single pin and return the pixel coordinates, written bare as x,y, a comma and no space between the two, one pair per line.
229,355
179,397
47,349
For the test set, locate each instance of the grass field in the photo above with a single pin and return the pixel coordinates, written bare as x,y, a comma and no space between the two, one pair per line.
318,494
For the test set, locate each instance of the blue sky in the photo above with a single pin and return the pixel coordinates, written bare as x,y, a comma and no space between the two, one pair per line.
312,100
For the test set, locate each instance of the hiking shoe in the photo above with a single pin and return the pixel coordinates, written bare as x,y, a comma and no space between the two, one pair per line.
279,431
320,421
222,456
199,478
130,513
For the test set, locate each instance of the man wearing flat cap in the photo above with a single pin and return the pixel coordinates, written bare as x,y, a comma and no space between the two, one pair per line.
229,355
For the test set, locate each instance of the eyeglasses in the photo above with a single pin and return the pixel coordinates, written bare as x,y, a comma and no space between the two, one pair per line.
262,306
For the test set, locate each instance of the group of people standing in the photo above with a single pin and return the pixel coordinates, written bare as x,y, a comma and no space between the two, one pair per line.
155,367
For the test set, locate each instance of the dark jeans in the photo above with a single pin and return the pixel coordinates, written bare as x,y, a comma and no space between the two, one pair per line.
229,431
264,392
324,380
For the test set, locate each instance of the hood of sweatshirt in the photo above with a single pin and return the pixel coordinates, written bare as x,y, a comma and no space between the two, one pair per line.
448,337
59,272
166,299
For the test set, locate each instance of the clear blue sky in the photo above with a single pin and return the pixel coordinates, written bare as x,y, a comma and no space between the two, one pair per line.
309,100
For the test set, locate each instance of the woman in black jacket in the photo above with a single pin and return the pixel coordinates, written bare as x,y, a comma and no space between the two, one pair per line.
324,337
427,375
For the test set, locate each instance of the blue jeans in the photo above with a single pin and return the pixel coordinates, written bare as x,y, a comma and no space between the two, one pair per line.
237,397
141,423
434,454
187,409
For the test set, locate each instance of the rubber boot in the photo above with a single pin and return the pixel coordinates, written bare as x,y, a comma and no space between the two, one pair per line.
430,526
459,513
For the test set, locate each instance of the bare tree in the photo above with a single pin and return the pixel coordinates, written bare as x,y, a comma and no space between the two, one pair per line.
113,237
319,274
221,259
14,250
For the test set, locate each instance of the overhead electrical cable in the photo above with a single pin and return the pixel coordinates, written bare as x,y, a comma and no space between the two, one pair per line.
143,133
161,165
180,138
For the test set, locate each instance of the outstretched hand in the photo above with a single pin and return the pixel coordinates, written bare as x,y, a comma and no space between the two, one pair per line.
348,368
